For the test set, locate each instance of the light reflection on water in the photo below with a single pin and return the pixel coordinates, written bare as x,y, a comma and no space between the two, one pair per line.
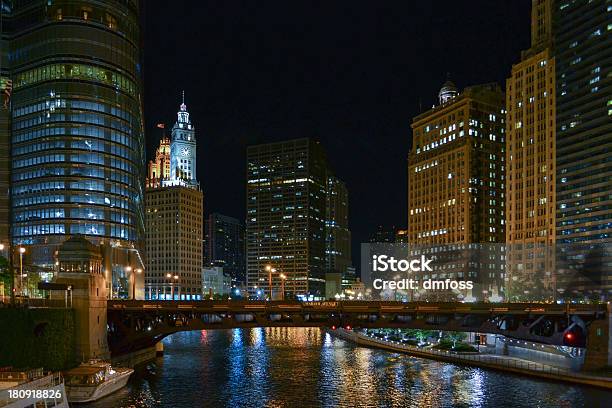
306,367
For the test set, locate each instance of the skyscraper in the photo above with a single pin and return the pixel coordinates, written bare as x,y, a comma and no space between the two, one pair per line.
174,217
224,245
77,140
456,182
286,212
582,41
337,233
530,158
456,168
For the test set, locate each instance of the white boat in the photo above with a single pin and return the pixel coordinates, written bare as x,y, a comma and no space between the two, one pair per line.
31,388
93,380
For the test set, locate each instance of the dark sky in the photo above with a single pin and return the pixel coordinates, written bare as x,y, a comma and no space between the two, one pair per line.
350,74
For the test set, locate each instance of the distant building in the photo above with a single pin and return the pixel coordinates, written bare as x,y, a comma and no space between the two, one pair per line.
174,218
337,233
383,235
287,201
215,281
224,245
159,167
401,236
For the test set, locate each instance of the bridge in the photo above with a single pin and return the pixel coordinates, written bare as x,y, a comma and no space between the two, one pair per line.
137,324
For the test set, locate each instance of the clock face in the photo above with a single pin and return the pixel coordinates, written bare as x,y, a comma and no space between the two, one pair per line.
185,151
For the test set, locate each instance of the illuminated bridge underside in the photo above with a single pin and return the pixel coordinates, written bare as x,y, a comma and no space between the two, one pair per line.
134,325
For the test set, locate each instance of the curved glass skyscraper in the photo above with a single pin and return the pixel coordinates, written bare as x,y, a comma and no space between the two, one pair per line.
77,141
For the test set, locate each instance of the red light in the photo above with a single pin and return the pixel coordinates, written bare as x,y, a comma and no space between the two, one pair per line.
569,336
348,327
333,327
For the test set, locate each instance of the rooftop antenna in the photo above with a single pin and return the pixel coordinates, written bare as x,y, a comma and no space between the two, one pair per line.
183,96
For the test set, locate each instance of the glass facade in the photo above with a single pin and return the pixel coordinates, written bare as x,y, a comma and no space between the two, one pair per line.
582,42
285,226
584,109
77,141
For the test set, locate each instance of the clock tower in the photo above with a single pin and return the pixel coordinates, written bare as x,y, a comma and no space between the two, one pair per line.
183,149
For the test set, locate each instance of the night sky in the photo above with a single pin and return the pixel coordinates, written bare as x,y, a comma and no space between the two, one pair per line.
349,74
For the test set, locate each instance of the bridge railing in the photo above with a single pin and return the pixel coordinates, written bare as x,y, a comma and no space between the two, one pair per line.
39,302
491,359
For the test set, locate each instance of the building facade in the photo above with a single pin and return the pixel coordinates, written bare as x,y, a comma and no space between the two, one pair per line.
337,235
183,149
224,245
286,212
582,44
530,158
174,218
456,177
159,167
77,141
456,169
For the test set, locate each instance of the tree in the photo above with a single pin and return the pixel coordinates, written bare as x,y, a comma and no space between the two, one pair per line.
455,337
5,276
419,334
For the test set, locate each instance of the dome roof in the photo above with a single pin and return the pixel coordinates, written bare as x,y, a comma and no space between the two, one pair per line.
448,86
448,91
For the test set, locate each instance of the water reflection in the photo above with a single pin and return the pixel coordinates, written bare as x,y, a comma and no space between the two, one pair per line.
290,367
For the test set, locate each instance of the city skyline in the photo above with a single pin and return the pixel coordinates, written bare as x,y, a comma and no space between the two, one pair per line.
350,117
297,204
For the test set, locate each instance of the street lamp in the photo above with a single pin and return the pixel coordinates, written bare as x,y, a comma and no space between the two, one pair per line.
283,278
128,269
21,252
168,277
172,287
138,271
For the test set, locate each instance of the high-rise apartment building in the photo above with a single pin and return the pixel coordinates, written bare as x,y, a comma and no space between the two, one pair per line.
582,42
530,160
337,233
456,170
76,136
174,217
286,213
224,245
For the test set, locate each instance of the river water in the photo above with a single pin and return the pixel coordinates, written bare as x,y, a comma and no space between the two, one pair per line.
306,367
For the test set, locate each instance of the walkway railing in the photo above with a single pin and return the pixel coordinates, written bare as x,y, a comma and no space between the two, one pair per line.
482,359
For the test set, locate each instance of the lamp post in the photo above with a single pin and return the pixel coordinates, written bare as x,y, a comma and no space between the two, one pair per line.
172,286
168,277
128,269
3,295
138,271
21,252
270,270
283,278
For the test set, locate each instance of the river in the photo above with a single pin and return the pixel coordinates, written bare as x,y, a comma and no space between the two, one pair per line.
306,367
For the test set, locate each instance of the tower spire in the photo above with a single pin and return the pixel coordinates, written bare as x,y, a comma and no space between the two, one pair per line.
183,96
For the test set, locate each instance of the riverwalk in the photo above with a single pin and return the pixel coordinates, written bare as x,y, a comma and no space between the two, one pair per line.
492,361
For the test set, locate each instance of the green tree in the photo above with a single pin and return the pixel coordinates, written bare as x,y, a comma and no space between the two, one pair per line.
5,275
455,337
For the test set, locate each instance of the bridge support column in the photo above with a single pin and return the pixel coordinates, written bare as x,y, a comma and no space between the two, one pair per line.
599,343
159,349
80,268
